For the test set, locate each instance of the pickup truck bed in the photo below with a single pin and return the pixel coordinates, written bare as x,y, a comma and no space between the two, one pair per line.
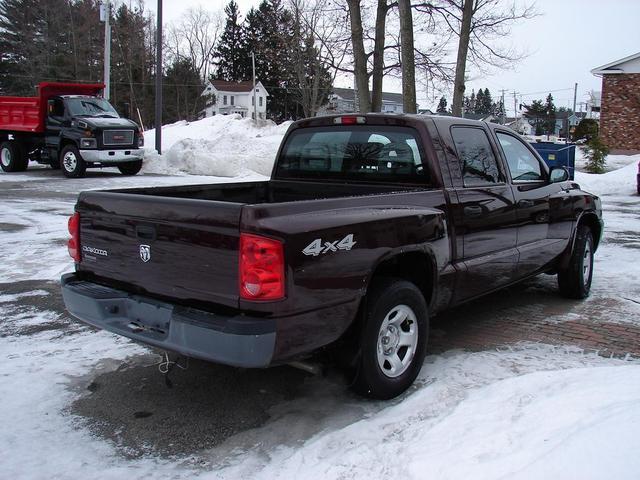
366,229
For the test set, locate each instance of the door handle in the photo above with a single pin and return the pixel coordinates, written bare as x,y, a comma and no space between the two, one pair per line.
472,211
525,203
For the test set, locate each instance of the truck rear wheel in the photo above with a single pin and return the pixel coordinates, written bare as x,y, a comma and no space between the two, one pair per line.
73,166
394,339
130,168
12,157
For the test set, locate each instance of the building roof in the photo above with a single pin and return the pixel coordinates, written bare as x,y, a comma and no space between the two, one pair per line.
349,94
225,86
614,67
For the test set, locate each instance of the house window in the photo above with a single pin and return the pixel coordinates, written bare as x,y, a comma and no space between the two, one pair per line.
224,100
253,101
260,102
232,98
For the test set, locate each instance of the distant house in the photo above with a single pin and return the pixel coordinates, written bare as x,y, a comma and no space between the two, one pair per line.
620,104
567,120
520,125
235,97
342,100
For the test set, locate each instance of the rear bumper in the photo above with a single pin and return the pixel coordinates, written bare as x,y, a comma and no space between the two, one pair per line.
112,156
231,340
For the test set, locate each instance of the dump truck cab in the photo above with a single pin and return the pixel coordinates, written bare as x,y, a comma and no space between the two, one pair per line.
68,126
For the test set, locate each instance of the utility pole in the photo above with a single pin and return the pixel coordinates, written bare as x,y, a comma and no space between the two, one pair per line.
575,94
159,80
104,17
255,100
515,105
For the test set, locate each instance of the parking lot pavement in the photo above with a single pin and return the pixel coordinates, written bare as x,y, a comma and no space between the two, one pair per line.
122,397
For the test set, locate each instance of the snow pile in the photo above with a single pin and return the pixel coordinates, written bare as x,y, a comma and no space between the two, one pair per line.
621,181
223,145
533,413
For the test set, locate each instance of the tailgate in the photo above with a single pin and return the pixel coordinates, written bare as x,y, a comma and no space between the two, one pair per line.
180,248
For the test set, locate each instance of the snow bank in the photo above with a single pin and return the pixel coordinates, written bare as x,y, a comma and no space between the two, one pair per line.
520,414
621,181
223,145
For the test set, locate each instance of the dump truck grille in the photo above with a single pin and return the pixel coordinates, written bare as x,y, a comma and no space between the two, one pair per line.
118,137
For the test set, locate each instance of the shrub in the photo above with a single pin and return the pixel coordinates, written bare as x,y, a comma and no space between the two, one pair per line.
596,152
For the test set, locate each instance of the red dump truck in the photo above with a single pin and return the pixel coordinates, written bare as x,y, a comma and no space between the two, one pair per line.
68,126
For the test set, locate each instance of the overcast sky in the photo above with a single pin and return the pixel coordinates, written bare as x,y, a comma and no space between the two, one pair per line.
565,42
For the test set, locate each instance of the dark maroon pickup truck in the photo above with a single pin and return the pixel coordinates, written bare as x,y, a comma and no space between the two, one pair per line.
370,225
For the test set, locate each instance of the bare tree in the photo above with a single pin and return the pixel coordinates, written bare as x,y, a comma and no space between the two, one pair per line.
194,38
408,57
359,56
311,70
461,61
479,26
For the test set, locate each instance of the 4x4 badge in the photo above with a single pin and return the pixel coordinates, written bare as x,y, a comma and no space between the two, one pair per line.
145,253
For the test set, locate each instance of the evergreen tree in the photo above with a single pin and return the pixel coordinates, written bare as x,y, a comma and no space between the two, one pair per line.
442,106
550,113
498,111
469,103
487,103
537,112
478,105
231,53
182,92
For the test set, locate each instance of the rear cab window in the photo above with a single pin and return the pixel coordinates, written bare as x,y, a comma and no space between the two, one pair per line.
366,153
477,160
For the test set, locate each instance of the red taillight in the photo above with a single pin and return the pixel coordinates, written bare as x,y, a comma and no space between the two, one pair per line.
74,242
349,120
261,272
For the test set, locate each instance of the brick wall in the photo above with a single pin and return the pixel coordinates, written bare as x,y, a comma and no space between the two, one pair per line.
620,111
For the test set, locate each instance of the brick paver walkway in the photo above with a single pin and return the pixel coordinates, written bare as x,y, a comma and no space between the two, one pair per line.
534,312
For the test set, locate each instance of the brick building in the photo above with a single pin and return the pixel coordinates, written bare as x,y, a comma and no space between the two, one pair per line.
620,104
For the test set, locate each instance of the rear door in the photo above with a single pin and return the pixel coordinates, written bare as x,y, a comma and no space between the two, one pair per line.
180,248
484,213
544,210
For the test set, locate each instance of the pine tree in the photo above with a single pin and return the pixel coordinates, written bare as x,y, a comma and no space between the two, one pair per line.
182,92
550,113
478,105
537,112
487,103
497,110
442,106
231,53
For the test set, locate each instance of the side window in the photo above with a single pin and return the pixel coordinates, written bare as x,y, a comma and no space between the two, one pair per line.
523,165
478,163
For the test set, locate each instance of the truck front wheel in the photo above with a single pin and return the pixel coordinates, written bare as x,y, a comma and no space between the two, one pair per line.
12,157
574,281
73,166
394,339
130,168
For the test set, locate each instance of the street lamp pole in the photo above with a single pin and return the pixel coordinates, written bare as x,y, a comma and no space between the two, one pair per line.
159,80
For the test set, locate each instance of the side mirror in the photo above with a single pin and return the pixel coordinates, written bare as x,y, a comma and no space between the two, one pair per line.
558,174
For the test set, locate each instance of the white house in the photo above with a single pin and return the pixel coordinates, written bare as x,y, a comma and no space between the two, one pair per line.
520,125
235,97
343,100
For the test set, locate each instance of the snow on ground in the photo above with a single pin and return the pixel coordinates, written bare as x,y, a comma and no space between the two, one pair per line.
532,411
223,145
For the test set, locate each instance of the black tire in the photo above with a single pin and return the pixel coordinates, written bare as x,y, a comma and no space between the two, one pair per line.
130,168
575,280
71,162
13,157
385,297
